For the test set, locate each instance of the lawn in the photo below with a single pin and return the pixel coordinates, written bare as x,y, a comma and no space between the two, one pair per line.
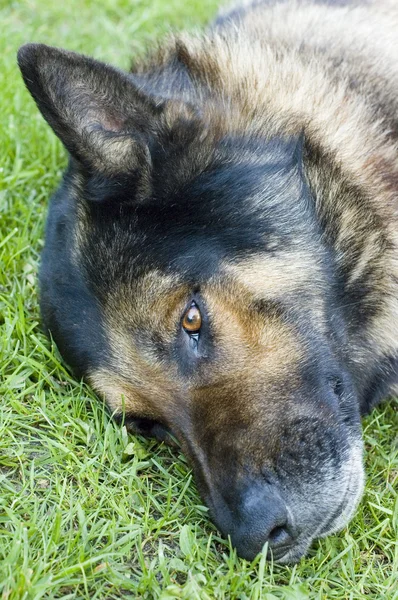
87,511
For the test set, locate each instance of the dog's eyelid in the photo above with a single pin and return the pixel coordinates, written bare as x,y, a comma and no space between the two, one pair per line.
194,341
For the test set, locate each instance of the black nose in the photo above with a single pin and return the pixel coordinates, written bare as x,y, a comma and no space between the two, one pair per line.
260,515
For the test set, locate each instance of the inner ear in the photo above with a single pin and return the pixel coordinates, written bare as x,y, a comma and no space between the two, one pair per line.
100,116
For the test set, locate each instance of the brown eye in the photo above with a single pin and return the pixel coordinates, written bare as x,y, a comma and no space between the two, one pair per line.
192,319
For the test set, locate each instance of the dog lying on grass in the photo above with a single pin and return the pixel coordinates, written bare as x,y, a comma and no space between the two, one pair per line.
221,257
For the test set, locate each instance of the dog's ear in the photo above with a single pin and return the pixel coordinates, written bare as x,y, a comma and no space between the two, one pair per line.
96,110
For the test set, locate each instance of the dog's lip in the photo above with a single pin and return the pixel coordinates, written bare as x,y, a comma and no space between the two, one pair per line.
328,526
291,554
301,544
331,523
281,551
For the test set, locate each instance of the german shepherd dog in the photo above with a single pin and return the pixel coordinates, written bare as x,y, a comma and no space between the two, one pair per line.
221,258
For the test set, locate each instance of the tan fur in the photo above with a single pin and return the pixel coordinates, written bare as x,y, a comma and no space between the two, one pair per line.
145,386
278,88
273,277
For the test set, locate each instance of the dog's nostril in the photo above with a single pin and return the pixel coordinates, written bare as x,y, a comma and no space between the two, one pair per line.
279,536
261,515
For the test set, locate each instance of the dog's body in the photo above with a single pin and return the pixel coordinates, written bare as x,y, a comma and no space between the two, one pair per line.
221,259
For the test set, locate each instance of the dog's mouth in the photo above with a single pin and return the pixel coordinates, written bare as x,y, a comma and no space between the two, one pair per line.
346,510
339,518
289,514
355,481
292,555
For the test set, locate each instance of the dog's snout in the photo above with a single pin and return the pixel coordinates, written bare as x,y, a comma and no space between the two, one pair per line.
260,515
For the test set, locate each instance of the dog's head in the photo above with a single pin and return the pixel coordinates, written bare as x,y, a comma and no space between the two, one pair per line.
199,297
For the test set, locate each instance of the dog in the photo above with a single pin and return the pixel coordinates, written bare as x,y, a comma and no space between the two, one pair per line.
221,256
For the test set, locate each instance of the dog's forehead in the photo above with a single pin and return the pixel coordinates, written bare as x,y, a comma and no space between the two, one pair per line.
284,276
231,213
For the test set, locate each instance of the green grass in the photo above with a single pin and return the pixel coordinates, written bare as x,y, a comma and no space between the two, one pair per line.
85,510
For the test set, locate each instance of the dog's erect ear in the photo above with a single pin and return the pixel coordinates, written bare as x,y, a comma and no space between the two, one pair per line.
96,110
